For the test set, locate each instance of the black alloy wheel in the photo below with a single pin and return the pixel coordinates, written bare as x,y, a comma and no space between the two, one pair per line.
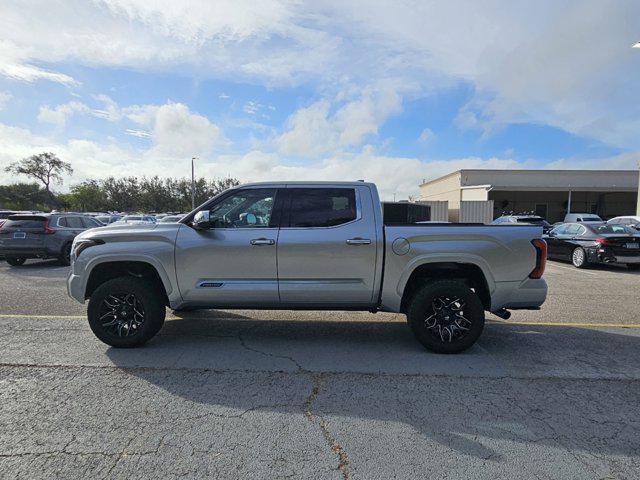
446,316
122,315
447,319
126,311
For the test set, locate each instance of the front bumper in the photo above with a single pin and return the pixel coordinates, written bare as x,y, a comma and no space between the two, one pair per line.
76,287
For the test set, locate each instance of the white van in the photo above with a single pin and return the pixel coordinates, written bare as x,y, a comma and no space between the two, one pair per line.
581,217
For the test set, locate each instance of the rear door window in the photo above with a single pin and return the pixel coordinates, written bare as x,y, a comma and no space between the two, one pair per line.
90,222
573,229
75,222
321,207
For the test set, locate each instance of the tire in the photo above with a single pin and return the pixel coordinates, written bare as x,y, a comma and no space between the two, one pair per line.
579,257
633,266
433,326
65,255
16,261
126,312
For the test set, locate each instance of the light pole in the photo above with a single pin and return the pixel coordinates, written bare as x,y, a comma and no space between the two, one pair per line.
638,200
193,184
637,45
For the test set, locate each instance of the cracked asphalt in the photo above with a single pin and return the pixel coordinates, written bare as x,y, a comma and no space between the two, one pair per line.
336,395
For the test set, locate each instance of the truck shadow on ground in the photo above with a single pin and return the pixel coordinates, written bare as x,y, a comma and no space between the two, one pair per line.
571,389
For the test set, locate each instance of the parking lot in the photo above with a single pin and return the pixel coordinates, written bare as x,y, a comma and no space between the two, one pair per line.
278,394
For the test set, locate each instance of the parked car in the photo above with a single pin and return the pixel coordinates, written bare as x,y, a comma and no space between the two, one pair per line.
108,219
170,219
523,220
306,246
135,220
26,236
581,217
629,221
586,243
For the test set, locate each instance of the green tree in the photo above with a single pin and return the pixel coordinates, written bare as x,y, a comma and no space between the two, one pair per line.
88,196
24,196
45,167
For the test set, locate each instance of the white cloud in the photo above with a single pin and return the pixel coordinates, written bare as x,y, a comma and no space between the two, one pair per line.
4,99
427,135
14,66
564,64
393,174
252,107
176,130
138,133
58,115
317,130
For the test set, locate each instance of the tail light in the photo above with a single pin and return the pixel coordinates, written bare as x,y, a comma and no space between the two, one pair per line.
603,241
47,228
541,258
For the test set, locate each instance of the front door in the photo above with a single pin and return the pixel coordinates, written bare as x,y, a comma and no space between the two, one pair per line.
233,262
327,247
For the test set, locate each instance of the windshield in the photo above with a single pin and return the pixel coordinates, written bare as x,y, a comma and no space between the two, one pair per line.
24,223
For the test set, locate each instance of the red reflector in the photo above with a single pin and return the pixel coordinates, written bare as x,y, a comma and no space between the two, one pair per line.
47,228
541,258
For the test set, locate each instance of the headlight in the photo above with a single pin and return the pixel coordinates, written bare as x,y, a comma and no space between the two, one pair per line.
80,245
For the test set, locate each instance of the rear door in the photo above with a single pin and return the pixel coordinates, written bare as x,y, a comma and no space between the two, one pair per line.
327,249
569,240
554,241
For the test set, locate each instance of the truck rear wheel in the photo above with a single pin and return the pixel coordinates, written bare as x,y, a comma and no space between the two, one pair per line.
446,316
126,312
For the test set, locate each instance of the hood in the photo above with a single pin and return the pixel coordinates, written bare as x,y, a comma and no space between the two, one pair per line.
131,232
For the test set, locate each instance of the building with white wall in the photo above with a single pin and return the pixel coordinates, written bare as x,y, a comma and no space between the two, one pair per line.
548,193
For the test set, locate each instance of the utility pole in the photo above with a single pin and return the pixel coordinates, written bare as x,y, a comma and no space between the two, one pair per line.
193,184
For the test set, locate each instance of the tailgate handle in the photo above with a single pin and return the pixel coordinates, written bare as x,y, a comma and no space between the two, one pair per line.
263,241
358,241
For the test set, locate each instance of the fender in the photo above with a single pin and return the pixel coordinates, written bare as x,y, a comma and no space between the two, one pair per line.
445,258
120,257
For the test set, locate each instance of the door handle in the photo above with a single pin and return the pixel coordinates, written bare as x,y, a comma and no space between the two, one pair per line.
358,241
263,241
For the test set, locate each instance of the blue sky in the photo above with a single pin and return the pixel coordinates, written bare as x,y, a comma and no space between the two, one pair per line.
393,92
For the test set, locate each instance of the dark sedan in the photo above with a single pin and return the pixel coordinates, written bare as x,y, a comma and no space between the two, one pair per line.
585,243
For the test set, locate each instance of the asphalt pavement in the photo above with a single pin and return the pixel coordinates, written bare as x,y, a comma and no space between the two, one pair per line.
277,394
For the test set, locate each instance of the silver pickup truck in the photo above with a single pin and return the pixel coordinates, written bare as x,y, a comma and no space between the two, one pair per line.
306,246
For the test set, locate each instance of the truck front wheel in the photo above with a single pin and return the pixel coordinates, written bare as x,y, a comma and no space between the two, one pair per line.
446,316
126,312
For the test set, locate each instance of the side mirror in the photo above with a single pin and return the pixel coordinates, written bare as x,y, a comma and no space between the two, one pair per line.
201,220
